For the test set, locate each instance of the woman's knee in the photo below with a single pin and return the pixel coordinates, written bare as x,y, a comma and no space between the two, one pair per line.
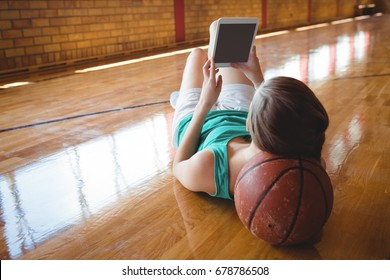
193,70
197,54
213,27
213,31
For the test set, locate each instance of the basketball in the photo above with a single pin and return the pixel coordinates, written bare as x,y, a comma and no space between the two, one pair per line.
284,201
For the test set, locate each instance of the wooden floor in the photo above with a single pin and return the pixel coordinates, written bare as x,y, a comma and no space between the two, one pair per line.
85,158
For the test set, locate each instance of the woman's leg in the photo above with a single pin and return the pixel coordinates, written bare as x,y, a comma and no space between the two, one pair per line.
190,89
193,73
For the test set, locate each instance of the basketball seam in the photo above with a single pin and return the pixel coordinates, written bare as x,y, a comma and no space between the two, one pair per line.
281,174
273,159
312,162
300,198
298,207
257,165
323,193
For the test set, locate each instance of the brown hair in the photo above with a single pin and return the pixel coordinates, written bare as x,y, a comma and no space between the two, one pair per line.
286,118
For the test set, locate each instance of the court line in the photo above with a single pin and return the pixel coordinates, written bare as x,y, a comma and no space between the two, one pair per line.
84,115
362,76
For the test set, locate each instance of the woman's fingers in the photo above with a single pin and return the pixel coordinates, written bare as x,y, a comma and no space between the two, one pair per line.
212,68
209,70
206,68
219,82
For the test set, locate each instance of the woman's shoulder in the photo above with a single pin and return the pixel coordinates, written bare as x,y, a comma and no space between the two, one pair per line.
199,175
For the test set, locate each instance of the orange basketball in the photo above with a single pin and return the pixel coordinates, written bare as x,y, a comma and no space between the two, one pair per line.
281,200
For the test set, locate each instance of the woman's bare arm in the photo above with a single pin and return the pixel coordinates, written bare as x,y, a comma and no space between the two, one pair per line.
188,167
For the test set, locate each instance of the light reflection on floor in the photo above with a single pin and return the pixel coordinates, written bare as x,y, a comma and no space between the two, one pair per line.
326,60
80,181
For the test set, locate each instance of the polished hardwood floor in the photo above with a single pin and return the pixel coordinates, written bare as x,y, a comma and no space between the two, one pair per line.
85,158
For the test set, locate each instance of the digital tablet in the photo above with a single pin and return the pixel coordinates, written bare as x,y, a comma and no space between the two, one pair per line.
234,40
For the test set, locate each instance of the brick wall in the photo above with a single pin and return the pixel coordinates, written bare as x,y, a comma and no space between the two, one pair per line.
324,10
38,33
279,13
283,14
200,13
383,6
292,13
47,32
346,8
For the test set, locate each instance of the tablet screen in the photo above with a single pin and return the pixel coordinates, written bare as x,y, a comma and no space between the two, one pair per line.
234,42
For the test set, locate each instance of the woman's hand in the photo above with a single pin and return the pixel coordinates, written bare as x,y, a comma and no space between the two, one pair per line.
212,85
251,69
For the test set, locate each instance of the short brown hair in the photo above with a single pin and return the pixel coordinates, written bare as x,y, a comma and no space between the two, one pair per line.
286,118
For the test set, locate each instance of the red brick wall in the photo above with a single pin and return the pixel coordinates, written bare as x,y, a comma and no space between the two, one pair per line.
292,13
36,33
45,32
200,13
346,8
383,6
324,10
283,14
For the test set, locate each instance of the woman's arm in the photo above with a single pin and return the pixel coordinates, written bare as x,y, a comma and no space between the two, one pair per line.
187,166
251,69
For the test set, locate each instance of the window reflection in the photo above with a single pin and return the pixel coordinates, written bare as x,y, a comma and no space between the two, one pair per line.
342,145
290,68
324,61
319,63
362,42
343,52
54,193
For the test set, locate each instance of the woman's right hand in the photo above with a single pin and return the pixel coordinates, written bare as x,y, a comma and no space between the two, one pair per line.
212,84
251,69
